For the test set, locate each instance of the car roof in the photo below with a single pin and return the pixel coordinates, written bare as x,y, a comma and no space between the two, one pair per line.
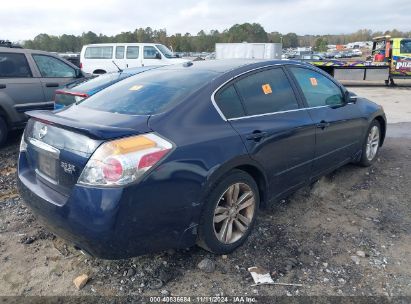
120,44
227,65
20,50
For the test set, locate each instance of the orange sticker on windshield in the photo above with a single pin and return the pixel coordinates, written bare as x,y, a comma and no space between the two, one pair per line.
135,88
267,89
314,82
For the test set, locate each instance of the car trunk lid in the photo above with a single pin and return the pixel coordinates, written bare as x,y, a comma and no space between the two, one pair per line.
59,146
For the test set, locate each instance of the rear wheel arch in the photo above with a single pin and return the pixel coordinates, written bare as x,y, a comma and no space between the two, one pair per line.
4,114
246,165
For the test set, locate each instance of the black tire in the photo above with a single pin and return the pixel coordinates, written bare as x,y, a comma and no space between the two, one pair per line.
207,237
4,130
366,161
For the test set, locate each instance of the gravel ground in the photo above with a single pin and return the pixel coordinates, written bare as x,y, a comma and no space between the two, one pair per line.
347,234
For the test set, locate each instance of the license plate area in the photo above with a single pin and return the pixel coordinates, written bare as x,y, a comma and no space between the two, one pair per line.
47,158
47,166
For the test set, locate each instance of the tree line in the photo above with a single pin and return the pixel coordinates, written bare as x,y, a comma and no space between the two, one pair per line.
203,41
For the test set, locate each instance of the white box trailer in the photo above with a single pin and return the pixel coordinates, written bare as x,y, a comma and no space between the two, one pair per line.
248,50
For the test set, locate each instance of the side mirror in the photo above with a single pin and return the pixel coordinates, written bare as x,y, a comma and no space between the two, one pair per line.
350,97
158,55
78,73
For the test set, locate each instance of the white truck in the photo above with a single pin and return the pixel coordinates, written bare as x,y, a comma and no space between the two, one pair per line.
109,57
248,50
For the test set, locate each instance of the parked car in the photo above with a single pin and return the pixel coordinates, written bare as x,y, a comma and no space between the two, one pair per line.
81,89
187,154
28,79
356,53
310,57
104,58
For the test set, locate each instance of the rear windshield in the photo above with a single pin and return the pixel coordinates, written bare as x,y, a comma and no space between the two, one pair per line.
150,92
101,80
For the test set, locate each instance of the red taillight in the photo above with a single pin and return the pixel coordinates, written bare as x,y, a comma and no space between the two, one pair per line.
123,161
81,65
151,159
113,170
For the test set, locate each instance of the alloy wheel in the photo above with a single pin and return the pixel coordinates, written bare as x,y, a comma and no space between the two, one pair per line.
373,142
234,213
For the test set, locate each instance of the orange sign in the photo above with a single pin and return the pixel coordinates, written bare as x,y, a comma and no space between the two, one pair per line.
267,89
314,82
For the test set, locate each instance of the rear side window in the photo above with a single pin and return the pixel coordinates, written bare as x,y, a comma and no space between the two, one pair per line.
132,52
99,52
150,92
14,65
318,90
119,52
229,103
265,92
53,67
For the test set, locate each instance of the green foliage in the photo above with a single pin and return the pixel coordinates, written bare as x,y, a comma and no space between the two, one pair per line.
203,41
321,44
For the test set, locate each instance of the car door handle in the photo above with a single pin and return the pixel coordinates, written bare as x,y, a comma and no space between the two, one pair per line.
2,86
256,135
323,124
52,84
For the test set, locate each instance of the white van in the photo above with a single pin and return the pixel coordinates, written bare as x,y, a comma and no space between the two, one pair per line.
100,58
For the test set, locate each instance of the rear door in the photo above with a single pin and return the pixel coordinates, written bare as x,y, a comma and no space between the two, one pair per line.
54,73
151,56
338,125
264,109
18,87
120,56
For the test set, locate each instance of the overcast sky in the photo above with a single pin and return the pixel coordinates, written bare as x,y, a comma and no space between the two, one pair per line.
24,19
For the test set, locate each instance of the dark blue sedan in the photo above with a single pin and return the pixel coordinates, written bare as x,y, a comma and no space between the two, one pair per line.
187,154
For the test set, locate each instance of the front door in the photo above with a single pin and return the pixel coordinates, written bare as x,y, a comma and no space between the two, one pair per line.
338,125
54,73
152,56
277,132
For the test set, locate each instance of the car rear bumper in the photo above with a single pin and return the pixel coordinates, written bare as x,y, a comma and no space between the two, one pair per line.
110,223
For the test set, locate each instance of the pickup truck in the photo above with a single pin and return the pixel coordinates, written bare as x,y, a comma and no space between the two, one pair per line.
28,80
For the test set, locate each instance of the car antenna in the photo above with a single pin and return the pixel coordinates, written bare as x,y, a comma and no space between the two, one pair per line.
120,70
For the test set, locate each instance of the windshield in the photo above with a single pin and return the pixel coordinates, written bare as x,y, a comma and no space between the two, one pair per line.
150,92
166,52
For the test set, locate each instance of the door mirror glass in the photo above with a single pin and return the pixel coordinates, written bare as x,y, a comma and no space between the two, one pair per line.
158,56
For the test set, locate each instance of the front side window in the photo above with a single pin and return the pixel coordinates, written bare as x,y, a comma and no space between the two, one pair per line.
14,65
266,92
53,67
132,52
99,52
405,46
119,52
150,52
318,90
229,103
